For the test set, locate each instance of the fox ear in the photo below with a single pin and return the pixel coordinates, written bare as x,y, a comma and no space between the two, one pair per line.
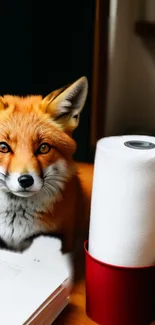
2,104
65,105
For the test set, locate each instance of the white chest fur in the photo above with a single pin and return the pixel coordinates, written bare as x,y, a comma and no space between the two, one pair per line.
18,219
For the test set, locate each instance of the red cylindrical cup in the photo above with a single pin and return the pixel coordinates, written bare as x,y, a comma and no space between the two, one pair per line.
119,295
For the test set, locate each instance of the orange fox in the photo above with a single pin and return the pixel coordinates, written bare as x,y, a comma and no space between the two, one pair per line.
42,190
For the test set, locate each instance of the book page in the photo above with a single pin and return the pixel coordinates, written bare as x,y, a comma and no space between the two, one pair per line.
28,279
8,272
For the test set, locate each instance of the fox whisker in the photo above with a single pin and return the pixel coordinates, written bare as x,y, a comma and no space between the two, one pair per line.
55,177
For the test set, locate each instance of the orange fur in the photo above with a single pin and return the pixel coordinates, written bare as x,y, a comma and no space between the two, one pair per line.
24,125
71,215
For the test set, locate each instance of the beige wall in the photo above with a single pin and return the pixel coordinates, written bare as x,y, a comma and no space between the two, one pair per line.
131,94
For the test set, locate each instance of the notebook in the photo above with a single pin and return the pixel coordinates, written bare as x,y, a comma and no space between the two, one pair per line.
34,285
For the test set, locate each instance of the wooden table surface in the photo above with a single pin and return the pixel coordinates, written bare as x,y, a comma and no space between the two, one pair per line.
74,313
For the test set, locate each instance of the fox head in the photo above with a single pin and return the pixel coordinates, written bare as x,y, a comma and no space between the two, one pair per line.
36,144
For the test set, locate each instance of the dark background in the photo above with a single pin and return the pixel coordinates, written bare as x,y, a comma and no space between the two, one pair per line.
45,45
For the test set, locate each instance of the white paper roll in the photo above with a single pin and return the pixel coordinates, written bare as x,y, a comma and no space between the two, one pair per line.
122,221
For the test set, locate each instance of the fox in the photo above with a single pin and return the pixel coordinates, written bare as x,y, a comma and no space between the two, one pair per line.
43,191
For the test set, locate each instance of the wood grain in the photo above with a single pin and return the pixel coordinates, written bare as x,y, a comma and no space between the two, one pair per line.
100,71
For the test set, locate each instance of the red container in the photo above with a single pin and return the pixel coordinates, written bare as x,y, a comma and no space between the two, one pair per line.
119,295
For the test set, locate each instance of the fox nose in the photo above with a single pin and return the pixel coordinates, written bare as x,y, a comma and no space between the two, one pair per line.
25,180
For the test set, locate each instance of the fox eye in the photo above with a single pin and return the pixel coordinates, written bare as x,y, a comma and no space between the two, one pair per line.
4,147
44,148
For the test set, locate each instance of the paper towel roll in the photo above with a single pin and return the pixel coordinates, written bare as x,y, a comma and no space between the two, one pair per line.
122,221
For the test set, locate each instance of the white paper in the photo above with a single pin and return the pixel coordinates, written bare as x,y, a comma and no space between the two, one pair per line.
28,279
122,221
